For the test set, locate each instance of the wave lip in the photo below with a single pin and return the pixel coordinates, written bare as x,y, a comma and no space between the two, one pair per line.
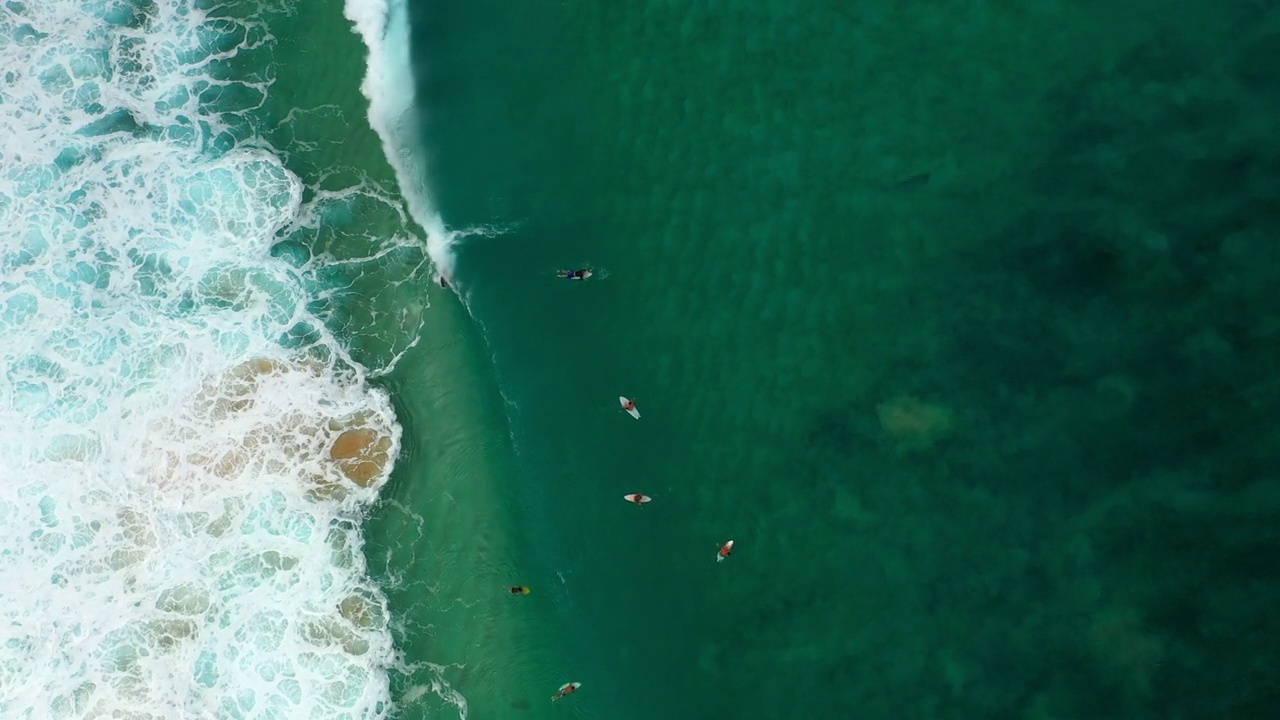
388,84
181,485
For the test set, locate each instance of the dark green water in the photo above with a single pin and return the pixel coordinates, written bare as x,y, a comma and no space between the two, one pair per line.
959,317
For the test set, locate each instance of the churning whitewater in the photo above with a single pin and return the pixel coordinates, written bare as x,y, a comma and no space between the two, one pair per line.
185,452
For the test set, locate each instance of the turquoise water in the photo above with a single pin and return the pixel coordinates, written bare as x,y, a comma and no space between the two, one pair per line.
957,316
186,456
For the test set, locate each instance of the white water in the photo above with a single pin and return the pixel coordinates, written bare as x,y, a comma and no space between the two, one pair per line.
384,27
175,540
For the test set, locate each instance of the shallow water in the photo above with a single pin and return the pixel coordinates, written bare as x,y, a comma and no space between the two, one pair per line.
954,315
186,451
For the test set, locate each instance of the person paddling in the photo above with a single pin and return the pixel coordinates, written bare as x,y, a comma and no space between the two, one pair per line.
629,406
566,689
519,590
574,274
725,551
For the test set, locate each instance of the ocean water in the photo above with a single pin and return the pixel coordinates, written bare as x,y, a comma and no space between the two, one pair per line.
188,448
957,316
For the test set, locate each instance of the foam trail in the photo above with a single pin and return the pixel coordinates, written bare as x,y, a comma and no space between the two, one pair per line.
180,489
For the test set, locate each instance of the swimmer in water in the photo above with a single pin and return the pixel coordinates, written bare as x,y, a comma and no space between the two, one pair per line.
725,550
566,689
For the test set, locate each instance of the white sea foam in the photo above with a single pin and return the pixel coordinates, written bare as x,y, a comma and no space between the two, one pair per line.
393,113
176,539
389,86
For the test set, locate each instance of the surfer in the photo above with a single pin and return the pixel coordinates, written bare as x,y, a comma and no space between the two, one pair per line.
566,689
444,283
574,274
725,551
519,590
629,406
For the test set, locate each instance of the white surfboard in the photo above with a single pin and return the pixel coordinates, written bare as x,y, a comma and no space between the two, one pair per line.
729,546
637,498
633,412
567,686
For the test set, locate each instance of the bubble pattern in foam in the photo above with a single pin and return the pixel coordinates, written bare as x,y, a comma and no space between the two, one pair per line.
180,490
